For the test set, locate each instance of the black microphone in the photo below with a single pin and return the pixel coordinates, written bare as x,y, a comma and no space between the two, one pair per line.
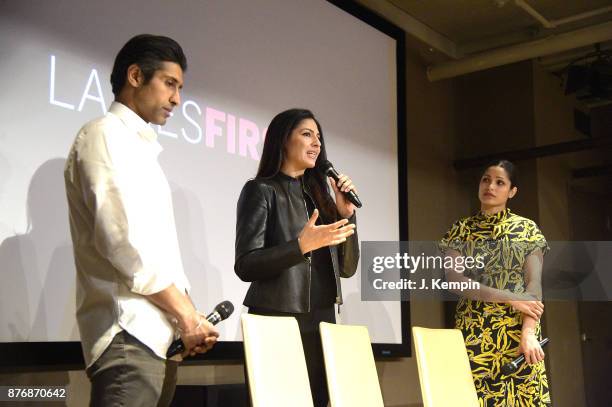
328,169
513,366
221,312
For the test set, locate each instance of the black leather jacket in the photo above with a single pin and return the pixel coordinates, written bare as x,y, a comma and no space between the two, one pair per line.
271,214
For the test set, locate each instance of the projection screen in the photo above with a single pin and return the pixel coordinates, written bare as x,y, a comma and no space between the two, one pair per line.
248,60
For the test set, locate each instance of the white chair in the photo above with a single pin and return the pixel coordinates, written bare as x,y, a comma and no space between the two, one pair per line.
275,363
352,379
444,368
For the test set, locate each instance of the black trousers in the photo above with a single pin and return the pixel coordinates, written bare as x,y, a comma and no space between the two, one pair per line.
313,351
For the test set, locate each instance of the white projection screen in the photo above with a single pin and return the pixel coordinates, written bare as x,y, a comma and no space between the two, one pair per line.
248,60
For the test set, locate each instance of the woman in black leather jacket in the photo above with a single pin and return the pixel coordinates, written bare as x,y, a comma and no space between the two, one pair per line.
293,242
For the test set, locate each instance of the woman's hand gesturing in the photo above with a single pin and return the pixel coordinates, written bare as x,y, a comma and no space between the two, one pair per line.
313,237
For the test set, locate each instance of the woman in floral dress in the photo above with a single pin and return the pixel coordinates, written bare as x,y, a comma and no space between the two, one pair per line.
500,320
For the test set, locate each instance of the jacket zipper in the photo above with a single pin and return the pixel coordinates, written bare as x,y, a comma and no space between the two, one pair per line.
309,258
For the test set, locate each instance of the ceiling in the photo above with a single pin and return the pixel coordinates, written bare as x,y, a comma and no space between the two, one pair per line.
468,23
472,35
449,31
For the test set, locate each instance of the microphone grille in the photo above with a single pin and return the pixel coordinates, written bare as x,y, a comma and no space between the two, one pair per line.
225,309
325,166
508,369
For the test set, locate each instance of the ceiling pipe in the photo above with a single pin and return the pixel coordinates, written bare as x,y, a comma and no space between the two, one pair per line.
579,56
533,13
556,23
582,16
574,54
521,52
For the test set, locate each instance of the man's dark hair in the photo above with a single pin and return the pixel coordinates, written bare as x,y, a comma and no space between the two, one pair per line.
148,52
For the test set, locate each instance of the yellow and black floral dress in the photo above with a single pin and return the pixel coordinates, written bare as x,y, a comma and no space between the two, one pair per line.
492,331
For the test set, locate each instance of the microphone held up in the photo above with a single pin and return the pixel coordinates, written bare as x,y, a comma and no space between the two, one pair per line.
328,169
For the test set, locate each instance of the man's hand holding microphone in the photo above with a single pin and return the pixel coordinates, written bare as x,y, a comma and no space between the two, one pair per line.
198,335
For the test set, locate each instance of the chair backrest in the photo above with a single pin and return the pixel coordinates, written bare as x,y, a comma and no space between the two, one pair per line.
275,363
444,368
352,379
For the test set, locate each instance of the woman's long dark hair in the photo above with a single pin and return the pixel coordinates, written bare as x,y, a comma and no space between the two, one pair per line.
273,155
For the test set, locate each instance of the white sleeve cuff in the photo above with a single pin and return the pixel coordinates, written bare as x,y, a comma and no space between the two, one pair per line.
150,283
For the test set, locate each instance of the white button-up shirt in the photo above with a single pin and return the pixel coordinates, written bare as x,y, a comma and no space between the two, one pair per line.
123,232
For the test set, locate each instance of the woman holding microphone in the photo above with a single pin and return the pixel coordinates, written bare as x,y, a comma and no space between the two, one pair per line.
293,242
502,318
